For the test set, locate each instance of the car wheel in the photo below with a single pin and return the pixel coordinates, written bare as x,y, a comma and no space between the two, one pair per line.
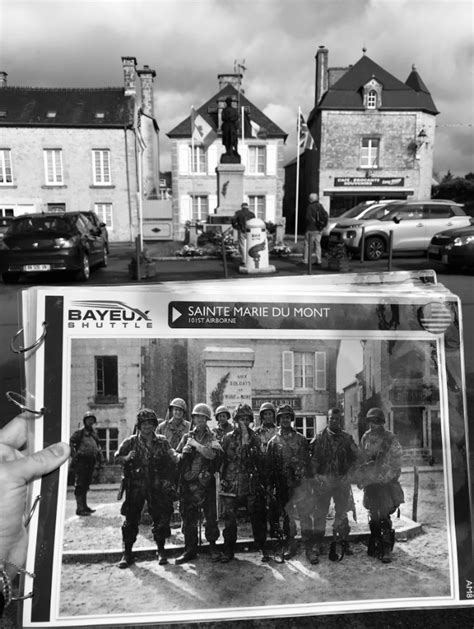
85,271
10,278
105,257
374,248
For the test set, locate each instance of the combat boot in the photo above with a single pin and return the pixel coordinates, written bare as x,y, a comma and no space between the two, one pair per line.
312,554
265,556
387,541
375,543
81,506
127,557
161,554
86,506
227,553
290,549
214,554
188,555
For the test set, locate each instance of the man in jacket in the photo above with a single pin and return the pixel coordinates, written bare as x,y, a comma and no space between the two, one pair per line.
222,416
333,457
86,453
176,425
239,222
149,467
316,221
198,450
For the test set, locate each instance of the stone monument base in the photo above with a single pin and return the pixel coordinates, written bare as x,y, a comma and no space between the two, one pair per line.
265,271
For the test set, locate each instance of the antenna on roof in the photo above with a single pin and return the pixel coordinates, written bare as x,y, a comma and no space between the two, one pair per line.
364,49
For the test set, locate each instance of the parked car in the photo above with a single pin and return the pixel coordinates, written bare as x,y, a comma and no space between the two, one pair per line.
95,220
454,247
413,224
39,243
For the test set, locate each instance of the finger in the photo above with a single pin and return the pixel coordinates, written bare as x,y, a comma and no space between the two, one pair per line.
15,432
40,463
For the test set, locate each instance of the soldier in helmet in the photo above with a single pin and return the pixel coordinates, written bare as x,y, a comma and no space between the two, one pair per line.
378,475
86,453
333,456
176,425
198,450
149,465
267,428
242,482
224,426
288,473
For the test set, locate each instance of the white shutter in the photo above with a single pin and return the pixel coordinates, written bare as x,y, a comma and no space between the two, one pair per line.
185,208
211,159
320,371
288,372
270,209
183,159
271,159
212,203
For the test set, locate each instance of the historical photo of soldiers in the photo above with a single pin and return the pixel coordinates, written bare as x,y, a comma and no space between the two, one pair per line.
238,464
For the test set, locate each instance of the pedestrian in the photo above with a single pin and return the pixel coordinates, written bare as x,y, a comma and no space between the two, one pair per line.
149,465
176,425
239,222
86,454
288,472
198,450
316,221
378,475
222,416
334,457
242,483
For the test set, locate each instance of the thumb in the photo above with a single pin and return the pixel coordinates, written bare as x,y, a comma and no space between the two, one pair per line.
42,462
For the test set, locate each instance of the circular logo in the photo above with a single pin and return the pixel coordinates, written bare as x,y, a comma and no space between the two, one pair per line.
435,317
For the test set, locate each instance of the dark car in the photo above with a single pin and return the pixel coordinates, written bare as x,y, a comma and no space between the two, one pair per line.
454,247
38,243
95,220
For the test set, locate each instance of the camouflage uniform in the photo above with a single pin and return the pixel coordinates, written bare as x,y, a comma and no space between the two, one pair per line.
264,432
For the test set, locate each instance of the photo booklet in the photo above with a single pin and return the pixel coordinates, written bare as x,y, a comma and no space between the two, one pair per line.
392,342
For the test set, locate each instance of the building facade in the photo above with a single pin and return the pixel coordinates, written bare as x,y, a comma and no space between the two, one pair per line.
373,138
81,148
196,151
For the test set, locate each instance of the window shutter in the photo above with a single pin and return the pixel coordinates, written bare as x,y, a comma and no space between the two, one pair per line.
320,371
211,159
185,208
288,373
271,158
183,159
270,209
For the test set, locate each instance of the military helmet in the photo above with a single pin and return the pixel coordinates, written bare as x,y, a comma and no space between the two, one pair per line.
178,403
202,409
243,410
285,408
222,409
146,414
91,415
376,415
267,406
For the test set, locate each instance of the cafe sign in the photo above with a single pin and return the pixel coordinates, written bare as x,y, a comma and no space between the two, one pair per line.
369,182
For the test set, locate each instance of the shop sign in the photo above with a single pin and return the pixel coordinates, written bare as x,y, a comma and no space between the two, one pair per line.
369,182
294,402
424,394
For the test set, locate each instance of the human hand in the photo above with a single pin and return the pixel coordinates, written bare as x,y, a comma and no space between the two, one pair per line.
130,456
17,469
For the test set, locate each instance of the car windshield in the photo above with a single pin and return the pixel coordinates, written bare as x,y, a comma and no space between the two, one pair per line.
354,211
34,224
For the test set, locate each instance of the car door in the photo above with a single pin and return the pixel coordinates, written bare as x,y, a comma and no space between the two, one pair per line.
441,218
92,238
409,233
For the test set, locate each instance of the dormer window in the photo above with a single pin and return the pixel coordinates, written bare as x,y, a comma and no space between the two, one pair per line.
51,114
372,94
372,99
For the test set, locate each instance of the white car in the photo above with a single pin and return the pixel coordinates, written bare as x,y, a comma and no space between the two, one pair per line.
413,224
363,210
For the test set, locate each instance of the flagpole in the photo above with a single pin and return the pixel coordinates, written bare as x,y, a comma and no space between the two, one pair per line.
193,158
298,132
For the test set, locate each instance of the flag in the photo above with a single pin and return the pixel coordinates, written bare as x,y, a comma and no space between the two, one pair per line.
254,129
201,130
303,131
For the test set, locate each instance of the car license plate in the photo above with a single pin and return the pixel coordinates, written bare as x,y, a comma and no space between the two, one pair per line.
37,267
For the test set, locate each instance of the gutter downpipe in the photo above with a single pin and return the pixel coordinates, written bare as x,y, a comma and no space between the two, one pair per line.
129,199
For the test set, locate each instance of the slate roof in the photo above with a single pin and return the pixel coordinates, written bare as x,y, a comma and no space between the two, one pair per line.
347,92
76,107
183,129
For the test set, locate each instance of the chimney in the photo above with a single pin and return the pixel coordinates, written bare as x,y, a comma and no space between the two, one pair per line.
3,79
321,74
230,79
129,65
147,75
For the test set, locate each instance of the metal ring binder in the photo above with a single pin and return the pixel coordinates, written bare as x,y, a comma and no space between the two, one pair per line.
22,350
10,395
32,510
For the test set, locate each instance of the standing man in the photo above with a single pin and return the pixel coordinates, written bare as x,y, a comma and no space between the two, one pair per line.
86,453
239,221
176,425
222,416
149,467
316,221
378,476
333,456
267,428
288,472
229,128
242,483
197,486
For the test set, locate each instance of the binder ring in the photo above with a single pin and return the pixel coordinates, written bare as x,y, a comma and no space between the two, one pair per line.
19,400
22,350
32,510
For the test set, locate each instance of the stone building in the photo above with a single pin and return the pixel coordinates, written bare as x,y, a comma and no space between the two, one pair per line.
373,137
81,148
196,149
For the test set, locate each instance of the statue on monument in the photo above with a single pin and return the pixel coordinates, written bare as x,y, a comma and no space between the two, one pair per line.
229,128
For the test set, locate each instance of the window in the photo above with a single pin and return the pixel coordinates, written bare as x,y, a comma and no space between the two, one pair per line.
304,370
101,166
53,166
200,208
56,207
256,159
108,440
257,206
106,379
372,99
198,159
50,114
369,153
104,212
440,211
306,425
6,176
6,211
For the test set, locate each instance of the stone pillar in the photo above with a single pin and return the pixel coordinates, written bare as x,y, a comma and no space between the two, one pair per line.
151,167
230,188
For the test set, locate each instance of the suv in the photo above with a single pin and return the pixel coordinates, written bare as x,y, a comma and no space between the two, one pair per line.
413,224
59,241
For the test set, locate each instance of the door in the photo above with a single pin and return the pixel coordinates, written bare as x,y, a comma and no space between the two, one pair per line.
410,232
93,237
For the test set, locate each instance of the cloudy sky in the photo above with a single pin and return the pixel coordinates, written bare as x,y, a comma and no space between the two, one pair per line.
76,43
